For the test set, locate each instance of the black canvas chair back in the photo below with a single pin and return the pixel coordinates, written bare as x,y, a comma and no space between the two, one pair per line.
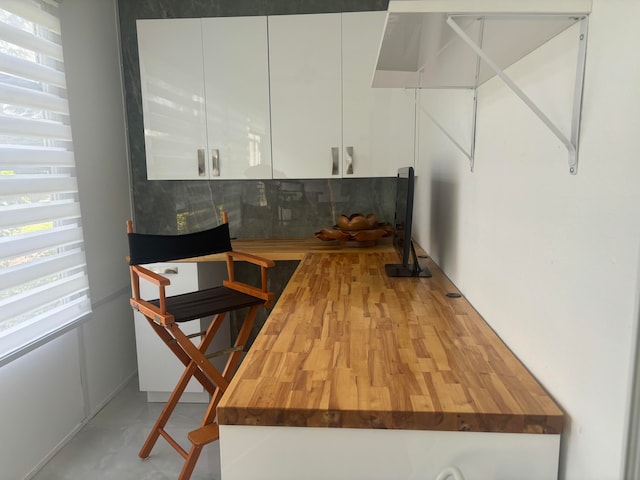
165,314
149,248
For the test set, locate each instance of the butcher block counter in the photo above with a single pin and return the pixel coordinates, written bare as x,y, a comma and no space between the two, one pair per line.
359,375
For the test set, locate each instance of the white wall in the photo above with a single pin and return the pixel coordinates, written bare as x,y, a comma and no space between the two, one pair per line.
551,260
49,393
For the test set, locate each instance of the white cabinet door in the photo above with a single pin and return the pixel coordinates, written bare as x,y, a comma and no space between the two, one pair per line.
378,123
205,98
236,75
170,53
327,120
306,101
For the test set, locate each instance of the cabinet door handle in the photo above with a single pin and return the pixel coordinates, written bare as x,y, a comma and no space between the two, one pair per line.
165,270
450,473
335,154
348,159
215,162
201,172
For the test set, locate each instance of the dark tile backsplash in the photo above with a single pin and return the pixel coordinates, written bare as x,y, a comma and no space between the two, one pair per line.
257,209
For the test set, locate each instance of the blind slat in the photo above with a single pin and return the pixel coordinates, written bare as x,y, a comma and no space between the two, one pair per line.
34,128
36,298
26,97
33,13
68,235
29,41
37,213
44,267
31,71
12,155
40,326
10,185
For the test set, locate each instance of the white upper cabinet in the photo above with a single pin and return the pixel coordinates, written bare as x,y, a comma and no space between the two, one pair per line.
327,121
378,132
173,107
306,100
236,73
205,98
221,97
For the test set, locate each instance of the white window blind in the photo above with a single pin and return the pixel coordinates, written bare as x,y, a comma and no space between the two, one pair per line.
43,281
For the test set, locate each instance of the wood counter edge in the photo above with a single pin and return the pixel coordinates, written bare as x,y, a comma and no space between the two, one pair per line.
431,421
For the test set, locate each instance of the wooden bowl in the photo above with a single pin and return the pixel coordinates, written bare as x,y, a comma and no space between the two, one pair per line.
368,235
357,221
332,234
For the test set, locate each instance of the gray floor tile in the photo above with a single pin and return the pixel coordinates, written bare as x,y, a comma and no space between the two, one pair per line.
107,447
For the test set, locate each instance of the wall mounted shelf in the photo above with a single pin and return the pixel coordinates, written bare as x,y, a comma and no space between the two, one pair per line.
461,44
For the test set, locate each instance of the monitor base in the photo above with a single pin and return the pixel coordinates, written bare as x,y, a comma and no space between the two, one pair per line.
400,270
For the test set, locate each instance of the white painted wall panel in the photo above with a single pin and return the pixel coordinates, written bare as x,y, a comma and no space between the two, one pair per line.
42,404
549,259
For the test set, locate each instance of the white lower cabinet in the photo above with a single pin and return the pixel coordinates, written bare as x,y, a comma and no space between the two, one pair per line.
292,453
158,368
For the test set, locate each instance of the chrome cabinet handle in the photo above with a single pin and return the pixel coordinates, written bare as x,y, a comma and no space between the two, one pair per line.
335,154
348,159
215,162
201,172
165,270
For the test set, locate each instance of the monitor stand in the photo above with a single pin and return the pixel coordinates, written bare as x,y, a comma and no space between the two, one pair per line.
410,270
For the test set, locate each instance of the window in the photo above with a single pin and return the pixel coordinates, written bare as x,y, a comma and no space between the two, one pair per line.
43,281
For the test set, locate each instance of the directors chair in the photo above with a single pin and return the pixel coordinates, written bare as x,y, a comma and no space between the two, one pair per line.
165,314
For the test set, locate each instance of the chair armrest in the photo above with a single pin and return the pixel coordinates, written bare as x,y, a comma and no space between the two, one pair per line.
138,272
250,290
152,312
263,263
151,276
248,257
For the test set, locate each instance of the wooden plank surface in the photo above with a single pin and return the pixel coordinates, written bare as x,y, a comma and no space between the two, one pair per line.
347,346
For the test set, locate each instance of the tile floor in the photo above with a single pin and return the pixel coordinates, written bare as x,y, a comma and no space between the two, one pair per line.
107,447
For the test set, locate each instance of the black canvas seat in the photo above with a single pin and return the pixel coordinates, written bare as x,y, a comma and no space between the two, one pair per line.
207,302
165,314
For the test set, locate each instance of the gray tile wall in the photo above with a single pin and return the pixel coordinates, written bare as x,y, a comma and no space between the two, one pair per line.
257,209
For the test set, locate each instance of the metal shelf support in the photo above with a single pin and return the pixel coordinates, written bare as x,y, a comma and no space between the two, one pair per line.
470,153
570,143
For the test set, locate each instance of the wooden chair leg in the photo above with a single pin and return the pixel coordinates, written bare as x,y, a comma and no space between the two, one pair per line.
208,431
191,370
163,418
190,463
213,381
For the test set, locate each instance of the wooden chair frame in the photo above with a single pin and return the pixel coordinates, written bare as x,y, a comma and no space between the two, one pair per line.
195,358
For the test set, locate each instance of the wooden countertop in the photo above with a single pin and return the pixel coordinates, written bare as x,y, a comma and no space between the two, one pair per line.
347,346
291,249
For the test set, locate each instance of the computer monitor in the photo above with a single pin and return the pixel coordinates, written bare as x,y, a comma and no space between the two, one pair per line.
402,225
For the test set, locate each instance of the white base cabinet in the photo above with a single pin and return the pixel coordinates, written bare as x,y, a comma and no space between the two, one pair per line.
292,453
158,368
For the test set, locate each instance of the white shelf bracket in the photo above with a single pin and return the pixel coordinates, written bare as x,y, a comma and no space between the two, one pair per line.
467,153
570,143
